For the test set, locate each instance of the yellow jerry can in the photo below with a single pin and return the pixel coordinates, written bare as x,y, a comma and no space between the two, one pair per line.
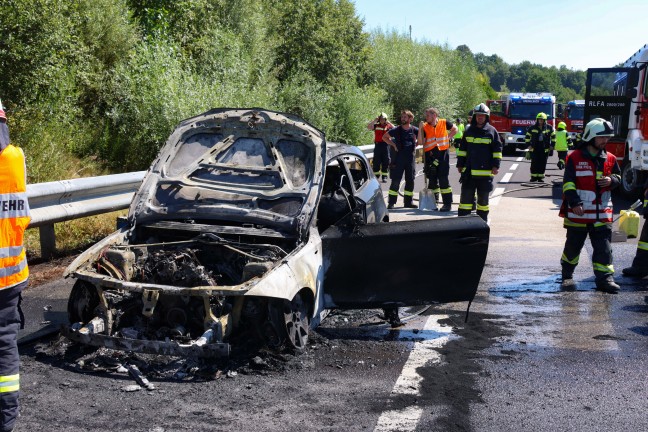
629,222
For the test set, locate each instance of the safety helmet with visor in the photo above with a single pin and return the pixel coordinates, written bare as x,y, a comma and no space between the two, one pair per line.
542,116
597,128
481,109
562,125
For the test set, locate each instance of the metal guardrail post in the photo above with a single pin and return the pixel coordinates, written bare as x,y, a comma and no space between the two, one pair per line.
47,241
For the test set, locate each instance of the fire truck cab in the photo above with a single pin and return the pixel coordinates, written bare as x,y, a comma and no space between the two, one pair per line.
515,112
572,114
621,96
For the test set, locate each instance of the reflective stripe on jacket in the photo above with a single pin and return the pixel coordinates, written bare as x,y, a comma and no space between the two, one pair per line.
581,174
14,217
480,150
540,138
436,136
379,131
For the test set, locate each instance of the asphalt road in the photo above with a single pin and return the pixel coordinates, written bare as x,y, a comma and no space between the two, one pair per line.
529,358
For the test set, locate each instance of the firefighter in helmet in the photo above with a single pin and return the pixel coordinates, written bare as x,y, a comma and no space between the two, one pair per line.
14,218
381,159
478,160
590,175
563,144
541,138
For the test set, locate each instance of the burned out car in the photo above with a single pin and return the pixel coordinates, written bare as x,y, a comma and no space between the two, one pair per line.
249,224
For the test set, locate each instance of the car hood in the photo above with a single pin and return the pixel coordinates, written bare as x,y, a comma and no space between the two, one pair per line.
239,166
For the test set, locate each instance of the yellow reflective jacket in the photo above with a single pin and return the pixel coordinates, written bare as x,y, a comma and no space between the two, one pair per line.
14,217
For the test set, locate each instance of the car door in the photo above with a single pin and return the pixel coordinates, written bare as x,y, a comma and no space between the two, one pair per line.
403,263
369,204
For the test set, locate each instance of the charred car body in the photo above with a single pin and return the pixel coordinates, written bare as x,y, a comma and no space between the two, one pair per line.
249,223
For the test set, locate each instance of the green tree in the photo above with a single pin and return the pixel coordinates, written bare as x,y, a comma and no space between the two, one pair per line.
323,38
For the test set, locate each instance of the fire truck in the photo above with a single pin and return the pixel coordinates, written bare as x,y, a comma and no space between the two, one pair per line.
621,95
515,112
572,114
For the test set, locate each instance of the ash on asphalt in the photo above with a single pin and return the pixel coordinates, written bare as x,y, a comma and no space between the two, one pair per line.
247,358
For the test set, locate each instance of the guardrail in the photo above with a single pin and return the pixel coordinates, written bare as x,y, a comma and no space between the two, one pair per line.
64,200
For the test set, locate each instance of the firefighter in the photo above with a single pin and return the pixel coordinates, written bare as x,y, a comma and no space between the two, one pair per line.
381,159
460,130
541,138
590,175
14,218
435,134
639,267
563,143
405,136
478,160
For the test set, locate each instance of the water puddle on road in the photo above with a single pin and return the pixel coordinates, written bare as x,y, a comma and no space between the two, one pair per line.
384,333
511,287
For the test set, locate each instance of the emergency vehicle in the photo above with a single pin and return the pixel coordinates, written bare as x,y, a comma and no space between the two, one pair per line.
571,114
515,112
620,95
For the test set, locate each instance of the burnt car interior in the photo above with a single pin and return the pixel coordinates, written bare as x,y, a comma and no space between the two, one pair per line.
338,195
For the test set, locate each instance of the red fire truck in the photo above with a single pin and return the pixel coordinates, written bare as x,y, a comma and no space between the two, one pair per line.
621,96
572,114
515,112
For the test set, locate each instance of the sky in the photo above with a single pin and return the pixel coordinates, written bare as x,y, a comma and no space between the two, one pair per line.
579,34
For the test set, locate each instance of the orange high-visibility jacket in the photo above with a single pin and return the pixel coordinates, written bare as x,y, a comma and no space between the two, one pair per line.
14,217
436,136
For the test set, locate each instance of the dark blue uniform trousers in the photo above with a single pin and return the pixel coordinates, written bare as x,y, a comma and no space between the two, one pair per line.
9,379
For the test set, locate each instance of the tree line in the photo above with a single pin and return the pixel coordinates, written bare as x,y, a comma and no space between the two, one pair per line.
95,86
566,84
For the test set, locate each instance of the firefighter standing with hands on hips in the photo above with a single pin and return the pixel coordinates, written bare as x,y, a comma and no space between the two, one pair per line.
405,136
381,159
541,139
14,218
435,134
590,175
563,144
478,160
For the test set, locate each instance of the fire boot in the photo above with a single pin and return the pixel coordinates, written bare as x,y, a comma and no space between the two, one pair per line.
392,201
561,165
409,203
568,283
607,285
638,272
447,202
391,315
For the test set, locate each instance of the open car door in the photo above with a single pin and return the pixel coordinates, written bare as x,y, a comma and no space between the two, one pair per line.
404,263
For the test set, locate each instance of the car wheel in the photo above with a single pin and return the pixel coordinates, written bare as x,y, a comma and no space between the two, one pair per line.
629,181
82,302
296,322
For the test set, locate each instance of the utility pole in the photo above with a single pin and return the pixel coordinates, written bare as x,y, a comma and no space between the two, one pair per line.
410,28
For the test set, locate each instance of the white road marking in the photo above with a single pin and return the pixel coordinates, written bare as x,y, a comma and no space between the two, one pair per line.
497,194
514,167
506,178
423,354
519,159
